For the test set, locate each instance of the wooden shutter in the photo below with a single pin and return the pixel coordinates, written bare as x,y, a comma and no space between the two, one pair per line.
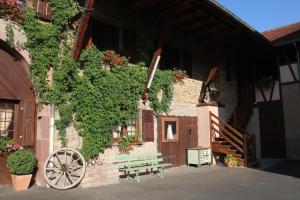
26,131
43,9
148,126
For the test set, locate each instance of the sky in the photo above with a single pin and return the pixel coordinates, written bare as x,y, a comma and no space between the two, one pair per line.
264,15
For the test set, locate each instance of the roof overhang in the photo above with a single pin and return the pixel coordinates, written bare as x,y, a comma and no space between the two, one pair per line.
206,21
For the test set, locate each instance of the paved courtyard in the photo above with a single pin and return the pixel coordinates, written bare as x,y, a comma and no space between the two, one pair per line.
183,184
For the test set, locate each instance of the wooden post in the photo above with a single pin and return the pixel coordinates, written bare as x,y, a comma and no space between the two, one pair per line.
245,148
151,73
210,126
84,22
254,147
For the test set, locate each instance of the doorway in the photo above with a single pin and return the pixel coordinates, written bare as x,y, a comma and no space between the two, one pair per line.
272,130
175,135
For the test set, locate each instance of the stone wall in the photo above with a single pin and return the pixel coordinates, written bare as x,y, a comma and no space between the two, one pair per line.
106,172
19,37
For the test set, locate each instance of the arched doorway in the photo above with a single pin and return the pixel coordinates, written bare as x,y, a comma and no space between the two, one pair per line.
17,103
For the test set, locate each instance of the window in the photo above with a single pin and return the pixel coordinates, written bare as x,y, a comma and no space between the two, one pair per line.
170,130
130,129
6,119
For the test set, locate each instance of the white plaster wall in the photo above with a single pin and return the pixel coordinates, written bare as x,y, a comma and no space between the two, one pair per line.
267,92
253,128
204,125
286,75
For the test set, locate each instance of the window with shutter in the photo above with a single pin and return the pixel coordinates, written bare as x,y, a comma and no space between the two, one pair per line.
42,8
148,126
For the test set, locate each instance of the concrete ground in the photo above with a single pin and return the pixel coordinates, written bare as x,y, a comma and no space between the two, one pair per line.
183,184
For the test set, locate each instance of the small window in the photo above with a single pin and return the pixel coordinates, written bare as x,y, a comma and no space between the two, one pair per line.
170,130
6,119
130,129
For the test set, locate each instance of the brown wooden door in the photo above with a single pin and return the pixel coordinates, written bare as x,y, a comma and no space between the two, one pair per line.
272,130
174,148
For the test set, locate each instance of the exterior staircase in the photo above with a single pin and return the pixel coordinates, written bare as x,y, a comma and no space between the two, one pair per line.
228,140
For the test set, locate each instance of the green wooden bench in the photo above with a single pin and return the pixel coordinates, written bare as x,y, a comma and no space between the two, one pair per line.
134,164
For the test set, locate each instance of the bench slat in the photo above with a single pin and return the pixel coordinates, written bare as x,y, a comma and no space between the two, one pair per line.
133,156
139,162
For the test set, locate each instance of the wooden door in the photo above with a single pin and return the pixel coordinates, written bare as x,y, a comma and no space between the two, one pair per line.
185,135
272,130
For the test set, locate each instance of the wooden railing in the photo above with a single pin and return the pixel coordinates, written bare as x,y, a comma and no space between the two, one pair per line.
239,140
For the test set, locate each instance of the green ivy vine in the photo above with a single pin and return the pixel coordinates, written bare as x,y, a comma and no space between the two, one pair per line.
94,93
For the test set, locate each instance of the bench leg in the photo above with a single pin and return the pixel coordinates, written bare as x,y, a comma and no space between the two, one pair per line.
137,178
161,172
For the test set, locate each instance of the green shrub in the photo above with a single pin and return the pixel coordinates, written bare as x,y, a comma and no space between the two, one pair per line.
5,142
21,162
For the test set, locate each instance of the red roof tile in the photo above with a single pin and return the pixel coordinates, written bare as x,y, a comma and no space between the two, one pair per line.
280,32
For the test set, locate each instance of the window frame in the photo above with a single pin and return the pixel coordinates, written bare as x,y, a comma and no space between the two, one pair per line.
170,119
124,131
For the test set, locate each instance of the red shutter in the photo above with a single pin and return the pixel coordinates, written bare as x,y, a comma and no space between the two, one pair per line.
43,9
26,133
148,126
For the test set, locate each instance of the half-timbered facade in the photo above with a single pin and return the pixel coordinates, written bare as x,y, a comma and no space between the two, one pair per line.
196,36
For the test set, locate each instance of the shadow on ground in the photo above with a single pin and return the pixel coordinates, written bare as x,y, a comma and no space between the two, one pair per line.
284,167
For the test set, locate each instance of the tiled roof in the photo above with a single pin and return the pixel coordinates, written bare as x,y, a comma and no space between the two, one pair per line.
280,32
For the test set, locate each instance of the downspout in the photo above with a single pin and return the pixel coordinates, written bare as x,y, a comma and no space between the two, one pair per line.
52,129
84,22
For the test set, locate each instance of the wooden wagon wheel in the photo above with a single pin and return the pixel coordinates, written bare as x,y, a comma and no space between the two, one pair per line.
64,169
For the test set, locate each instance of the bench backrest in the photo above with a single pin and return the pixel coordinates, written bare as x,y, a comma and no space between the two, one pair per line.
138,159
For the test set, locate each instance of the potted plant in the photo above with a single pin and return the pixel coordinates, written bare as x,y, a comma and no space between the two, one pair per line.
21,164
230,161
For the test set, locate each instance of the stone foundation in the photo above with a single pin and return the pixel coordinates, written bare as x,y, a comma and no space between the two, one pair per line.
105,172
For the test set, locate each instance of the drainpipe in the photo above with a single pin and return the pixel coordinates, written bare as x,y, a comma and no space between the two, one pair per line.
52,129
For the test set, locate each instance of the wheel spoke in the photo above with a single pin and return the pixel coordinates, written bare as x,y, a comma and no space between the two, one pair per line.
66,159
53,169
51,161
65,178
58,159
72,159
74,168
57,178
69,178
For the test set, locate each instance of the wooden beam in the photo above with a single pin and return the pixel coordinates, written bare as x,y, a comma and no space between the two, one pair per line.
82,29
151,73
219,38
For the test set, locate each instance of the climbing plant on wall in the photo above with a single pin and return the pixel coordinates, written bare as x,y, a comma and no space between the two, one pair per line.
99,91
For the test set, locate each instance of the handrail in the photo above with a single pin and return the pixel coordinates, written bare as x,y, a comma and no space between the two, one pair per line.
230,134
227,125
